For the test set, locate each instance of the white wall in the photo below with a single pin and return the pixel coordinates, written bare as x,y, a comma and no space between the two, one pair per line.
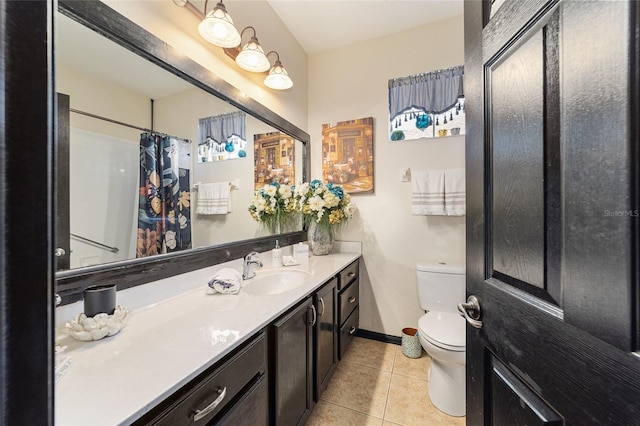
351,82
177,27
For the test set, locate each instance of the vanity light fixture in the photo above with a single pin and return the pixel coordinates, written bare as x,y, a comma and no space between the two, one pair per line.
217,27
278,78
252,57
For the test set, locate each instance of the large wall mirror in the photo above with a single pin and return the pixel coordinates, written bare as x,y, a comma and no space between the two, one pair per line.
120,88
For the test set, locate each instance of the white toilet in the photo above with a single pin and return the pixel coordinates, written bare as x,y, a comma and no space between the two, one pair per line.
442,333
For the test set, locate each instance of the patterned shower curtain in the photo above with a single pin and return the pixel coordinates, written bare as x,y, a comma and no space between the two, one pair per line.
164,212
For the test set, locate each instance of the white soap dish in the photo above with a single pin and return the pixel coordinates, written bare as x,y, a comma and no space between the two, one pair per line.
86,329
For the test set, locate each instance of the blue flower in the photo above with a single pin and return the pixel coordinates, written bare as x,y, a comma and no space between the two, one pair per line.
276,184
337,191
315,183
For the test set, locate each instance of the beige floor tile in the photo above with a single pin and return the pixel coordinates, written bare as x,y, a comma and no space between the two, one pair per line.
359,388
328,414
409,404
371,353
412,367
387,423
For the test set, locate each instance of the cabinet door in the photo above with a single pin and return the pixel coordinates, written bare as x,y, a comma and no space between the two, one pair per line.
292,375
326,336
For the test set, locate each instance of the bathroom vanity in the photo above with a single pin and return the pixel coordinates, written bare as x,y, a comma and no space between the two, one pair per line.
225,359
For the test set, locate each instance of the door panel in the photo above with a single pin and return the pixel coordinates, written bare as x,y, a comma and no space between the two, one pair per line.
551,184
516,102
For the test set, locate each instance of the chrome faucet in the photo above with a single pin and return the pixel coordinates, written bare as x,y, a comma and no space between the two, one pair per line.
247,265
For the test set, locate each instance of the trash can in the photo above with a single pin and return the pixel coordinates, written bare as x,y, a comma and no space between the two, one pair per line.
411,343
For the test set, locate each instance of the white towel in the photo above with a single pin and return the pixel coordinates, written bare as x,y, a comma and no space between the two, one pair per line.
427,192
454,192
225,281
213,198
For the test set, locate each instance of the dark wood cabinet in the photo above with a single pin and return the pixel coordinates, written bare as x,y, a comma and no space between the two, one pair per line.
348,302
227,389
326,336
291,376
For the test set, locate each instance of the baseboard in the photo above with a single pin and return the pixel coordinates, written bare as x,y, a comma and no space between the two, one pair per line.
386,338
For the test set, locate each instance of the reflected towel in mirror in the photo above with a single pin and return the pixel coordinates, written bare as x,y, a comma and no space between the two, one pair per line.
213,198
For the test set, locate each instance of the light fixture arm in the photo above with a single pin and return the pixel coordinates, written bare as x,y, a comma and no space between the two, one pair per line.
277,55
248,28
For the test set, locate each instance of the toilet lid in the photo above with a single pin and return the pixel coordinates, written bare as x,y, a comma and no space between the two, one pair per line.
443,329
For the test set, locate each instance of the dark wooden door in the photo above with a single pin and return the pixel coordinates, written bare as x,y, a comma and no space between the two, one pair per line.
552,216
291,371
325,336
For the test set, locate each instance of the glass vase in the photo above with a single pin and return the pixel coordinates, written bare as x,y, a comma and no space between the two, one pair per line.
320,239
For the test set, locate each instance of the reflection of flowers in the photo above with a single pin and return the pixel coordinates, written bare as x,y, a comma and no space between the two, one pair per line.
183,221
184,199
170,239
273,205
327,204
147,242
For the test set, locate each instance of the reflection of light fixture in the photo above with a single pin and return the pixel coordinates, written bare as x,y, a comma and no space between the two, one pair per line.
278,78
252,57
217,27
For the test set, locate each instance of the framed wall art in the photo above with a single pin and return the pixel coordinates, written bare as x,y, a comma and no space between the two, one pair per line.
347,154
274,155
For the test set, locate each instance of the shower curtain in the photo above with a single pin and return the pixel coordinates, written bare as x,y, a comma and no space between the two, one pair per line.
164,212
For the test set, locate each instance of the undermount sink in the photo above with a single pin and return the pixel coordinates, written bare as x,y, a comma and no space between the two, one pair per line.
272,283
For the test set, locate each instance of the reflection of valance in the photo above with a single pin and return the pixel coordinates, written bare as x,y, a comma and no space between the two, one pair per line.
222,127
434,92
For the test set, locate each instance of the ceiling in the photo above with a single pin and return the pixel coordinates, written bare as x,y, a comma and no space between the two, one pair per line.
321,25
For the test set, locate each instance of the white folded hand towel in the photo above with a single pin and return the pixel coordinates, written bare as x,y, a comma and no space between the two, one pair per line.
226,281
454,192
427,192
213,198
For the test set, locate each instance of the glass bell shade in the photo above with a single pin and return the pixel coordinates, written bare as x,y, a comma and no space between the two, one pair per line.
278,78
252,57
217,28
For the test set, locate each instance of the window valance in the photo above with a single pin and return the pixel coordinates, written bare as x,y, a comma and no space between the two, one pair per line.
433,92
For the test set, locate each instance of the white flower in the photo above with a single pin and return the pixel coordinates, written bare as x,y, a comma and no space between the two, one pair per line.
285,191
330,200
316,203
170,239
183,221
302,189
319,190
320,214
270,190
260,204
348,211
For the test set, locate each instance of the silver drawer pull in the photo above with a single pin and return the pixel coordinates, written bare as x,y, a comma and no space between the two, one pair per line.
352,331
59,252
351,274
322,303
199,414
352,299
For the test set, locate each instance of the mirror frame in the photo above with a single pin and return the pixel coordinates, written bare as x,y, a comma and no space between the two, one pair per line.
129,273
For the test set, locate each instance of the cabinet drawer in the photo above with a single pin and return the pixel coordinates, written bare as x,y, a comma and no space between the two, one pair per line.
348,275
348,331
252,409
349,300
229,379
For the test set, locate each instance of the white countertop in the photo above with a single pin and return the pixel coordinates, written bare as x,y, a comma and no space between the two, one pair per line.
168,340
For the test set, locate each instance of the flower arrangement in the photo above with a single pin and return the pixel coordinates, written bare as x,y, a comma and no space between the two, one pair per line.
273,206
326,205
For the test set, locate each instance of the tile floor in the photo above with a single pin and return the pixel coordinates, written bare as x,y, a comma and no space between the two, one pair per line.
375,384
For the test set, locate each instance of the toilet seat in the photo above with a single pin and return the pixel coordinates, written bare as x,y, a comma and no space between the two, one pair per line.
443,329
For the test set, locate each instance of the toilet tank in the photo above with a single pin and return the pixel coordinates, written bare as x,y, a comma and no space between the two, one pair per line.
441,286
